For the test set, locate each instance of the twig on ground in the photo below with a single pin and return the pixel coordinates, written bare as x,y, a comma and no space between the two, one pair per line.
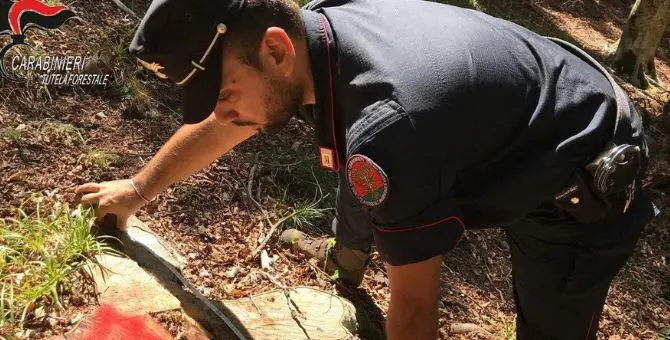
228,182
468,297
125,8
272,279
250,194
568,4
273,227
488,276
459,303
460,328
382,269
251,298
657,84
250,184
663,302
9,95
539,10
46,89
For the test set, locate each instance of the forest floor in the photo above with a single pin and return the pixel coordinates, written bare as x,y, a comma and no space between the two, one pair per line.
56,138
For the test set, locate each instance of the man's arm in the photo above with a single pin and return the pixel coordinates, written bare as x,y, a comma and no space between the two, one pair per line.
189,150
415,291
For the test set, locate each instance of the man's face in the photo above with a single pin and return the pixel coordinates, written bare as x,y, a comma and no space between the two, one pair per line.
263,99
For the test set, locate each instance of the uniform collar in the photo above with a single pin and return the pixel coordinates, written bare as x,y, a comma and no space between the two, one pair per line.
321,48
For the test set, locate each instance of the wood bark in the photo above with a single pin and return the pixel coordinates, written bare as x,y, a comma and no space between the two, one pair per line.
641,36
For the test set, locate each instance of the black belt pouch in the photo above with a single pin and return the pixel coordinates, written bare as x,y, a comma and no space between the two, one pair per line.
581,200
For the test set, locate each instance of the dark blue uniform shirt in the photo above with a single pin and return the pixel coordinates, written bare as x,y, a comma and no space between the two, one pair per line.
440,118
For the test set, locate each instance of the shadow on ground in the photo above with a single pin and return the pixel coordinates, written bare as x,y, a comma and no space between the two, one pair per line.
371,322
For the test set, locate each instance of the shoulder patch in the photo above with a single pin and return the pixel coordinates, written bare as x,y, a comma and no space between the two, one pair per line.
367,180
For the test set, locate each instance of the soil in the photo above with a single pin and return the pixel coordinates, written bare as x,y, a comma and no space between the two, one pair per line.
214,223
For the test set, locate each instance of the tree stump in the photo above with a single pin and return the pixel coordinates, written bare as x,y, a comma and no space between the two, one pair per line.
640,38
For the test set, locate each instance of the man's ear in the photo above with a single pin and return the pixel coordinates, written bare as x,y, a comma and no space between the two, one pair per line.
277,52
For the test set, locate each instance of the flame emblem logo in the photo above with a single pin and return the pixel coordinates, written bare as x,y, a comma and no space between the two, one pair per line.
25,14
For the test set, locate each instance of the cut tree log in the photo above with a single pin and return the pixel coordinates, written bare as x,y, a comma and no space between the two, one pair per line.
309,314
129,288
217,320
287,313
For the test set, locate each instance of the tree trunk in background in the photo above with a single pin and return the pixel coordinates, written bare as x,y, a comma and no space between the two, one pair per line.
639,40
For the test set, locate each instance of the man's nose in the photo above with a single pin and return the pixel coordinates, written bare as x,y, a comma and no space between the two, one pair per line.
225,111
220,107
226,100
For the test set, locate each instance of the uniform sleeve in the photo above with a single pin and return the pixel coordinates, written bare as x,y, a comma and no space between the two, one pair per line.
407,189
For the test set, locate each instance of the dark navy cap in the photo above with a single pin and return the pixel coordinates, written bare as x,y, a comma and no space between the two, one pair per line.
180,40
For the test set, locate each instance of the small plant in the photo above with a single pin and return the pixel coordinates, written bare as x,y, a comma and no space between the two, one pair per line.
22,53
302,189
137,99
64,133
508,330
14,135
303,215
300,176
98,158
114,43
664,334
40,253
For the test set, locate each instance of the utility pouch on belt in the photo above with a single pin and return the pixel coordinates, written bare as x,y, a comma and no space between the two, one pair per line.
590,193
580,200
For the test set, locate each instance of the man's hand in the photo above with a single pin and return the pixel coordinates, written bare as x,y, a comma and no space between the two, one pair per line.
415,289
189,150
115,197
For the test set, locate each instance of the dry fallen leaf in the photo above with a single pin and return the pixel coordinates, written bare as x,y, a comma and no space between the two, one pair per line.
238,293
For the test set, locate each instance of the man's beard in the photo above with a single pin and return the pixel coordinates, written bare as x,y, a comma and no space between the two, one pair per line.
282,100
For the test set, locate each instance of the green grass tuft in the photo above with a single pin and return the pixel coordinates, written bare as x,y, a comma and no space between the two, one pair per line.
508,330
14,135
302,189
303,215
299,176
40,251
137,99
98,158
64,133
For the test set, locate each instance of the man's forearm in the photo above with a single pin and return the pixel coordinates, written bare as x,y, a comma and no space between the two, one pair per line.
189,150
411,322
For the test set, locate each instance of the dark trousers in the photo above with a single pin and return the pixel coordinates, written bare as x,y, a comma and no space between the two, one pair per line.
562,269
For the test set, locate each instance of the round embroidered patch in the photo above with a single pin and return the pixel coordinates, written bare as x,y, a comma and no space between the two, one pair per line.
367,180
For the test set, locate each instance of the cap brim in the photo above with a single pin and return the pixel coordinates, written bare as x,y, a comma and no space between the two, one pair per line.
202,92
